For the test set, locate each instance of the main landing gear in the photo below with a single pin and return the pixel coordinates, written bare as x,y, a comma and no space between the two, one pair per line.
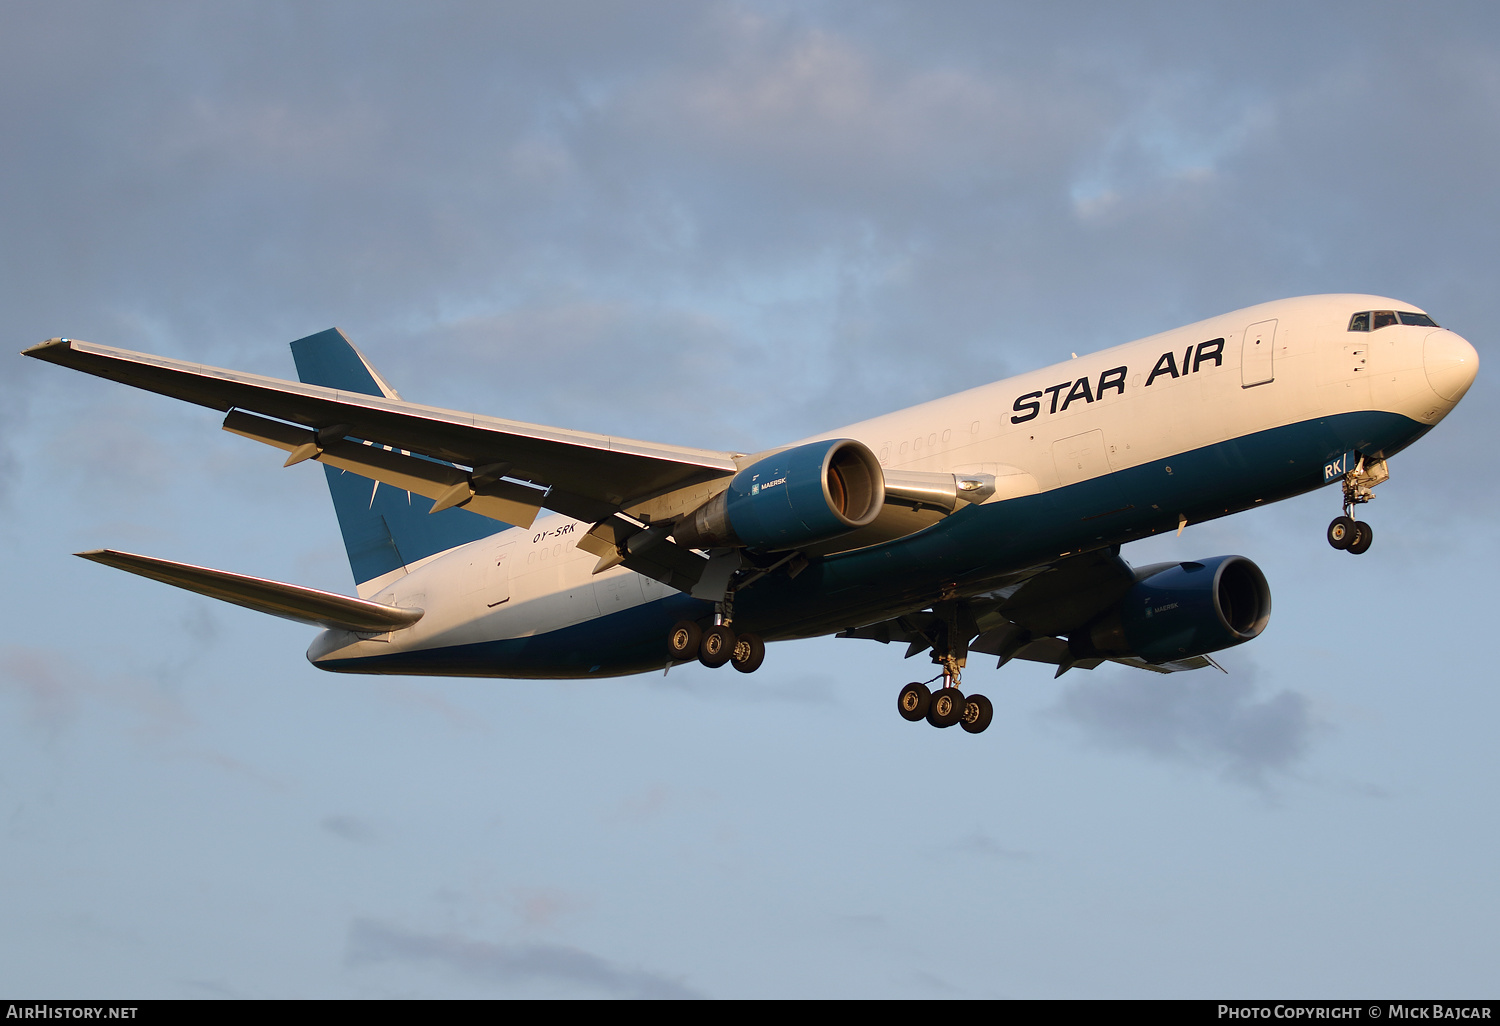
1346,533
946,706
716,646
948,635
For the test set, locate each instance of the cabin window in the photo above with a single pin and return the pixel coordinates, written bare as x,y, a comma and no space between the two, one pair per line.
1382,319
1360,322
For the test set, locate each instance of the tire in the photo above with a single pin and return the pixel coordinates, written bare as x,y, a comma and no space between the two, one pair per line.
683,641
748,653
1341,532
1364,537
947,707
716,647
913,702
978,712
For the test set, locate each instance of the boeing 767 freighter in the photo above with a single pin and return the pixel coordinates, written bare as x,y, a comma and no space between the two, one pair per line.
986,522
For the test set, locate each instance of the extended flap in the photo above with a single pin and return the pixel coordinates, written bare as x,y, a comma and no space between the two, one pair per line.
505,501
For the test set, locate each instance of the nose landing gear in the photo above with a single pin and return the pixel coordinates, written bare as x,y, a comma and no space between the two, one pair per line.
1350,535
1346,533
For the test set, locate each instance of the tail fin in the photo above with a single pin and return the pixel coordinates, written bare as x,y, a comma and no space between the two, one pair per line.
384,528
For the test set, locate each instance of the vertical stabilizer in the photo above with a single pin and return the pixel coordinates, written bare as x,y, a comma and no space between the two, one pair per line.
385,529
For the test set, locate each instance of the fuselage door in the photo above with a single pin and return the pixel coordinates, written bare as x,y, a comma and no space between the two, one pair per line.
1256,358
496,575
1085,457
1080,457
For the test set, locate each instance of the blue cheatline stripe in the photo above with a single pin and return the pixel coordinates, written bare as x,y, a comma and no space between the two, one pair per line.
629,641
973,545
384,528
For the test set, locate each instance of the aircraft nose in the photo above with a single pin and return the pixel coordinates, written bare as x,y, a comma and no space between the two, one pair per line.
1451,364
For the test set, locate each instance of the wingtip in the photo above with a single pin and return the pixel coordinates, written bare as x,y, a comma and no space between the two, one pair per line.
40,350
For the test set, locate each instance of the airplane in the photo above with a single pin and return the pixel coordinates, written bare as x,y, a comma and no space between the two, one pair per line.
988,522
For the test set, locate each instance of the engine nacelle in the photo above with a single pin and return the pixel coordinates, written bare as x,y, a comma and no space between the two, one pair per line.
1186,609
795,497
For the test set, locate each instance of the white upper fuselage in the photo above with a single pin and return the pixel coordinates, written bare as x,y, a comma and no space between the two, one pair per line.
1318,368
1227,377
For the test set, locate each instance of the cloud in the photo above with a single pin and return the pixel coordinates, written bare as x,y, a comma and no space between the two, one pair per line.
642,808
371,942
864,922
683,210
1201,718
49,690
984,846
423,698
57,692
543,907
14,408
656,801
350,828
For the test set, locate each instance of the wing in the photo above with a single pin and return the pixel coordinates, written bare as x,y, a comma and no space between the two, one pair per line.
586,476
1026,617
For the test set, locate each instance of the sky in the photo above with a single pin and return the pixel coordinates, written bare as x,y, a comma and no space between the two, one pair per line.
726,225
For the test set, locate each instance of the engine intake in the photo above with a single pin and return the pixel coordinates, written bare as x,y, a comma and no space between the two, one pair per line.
1185,609
795,497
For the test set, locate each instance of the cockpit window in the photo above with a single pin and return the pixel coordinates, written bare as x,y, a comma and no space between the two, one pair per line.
1374,320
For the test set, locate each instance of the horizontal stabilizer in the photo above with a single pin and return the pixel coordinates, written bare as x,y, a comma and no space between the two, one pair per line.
304,605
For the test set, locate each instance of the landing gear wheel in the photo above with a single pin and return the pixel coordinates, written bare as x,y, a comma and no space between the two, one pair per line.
716,647
913,702
748,653
977,714
1341,532
683,642
1364,537
947,707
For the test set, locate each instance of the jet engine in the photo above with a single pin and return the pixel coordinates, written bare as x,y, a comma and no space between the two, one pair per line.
789,499
1184,609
